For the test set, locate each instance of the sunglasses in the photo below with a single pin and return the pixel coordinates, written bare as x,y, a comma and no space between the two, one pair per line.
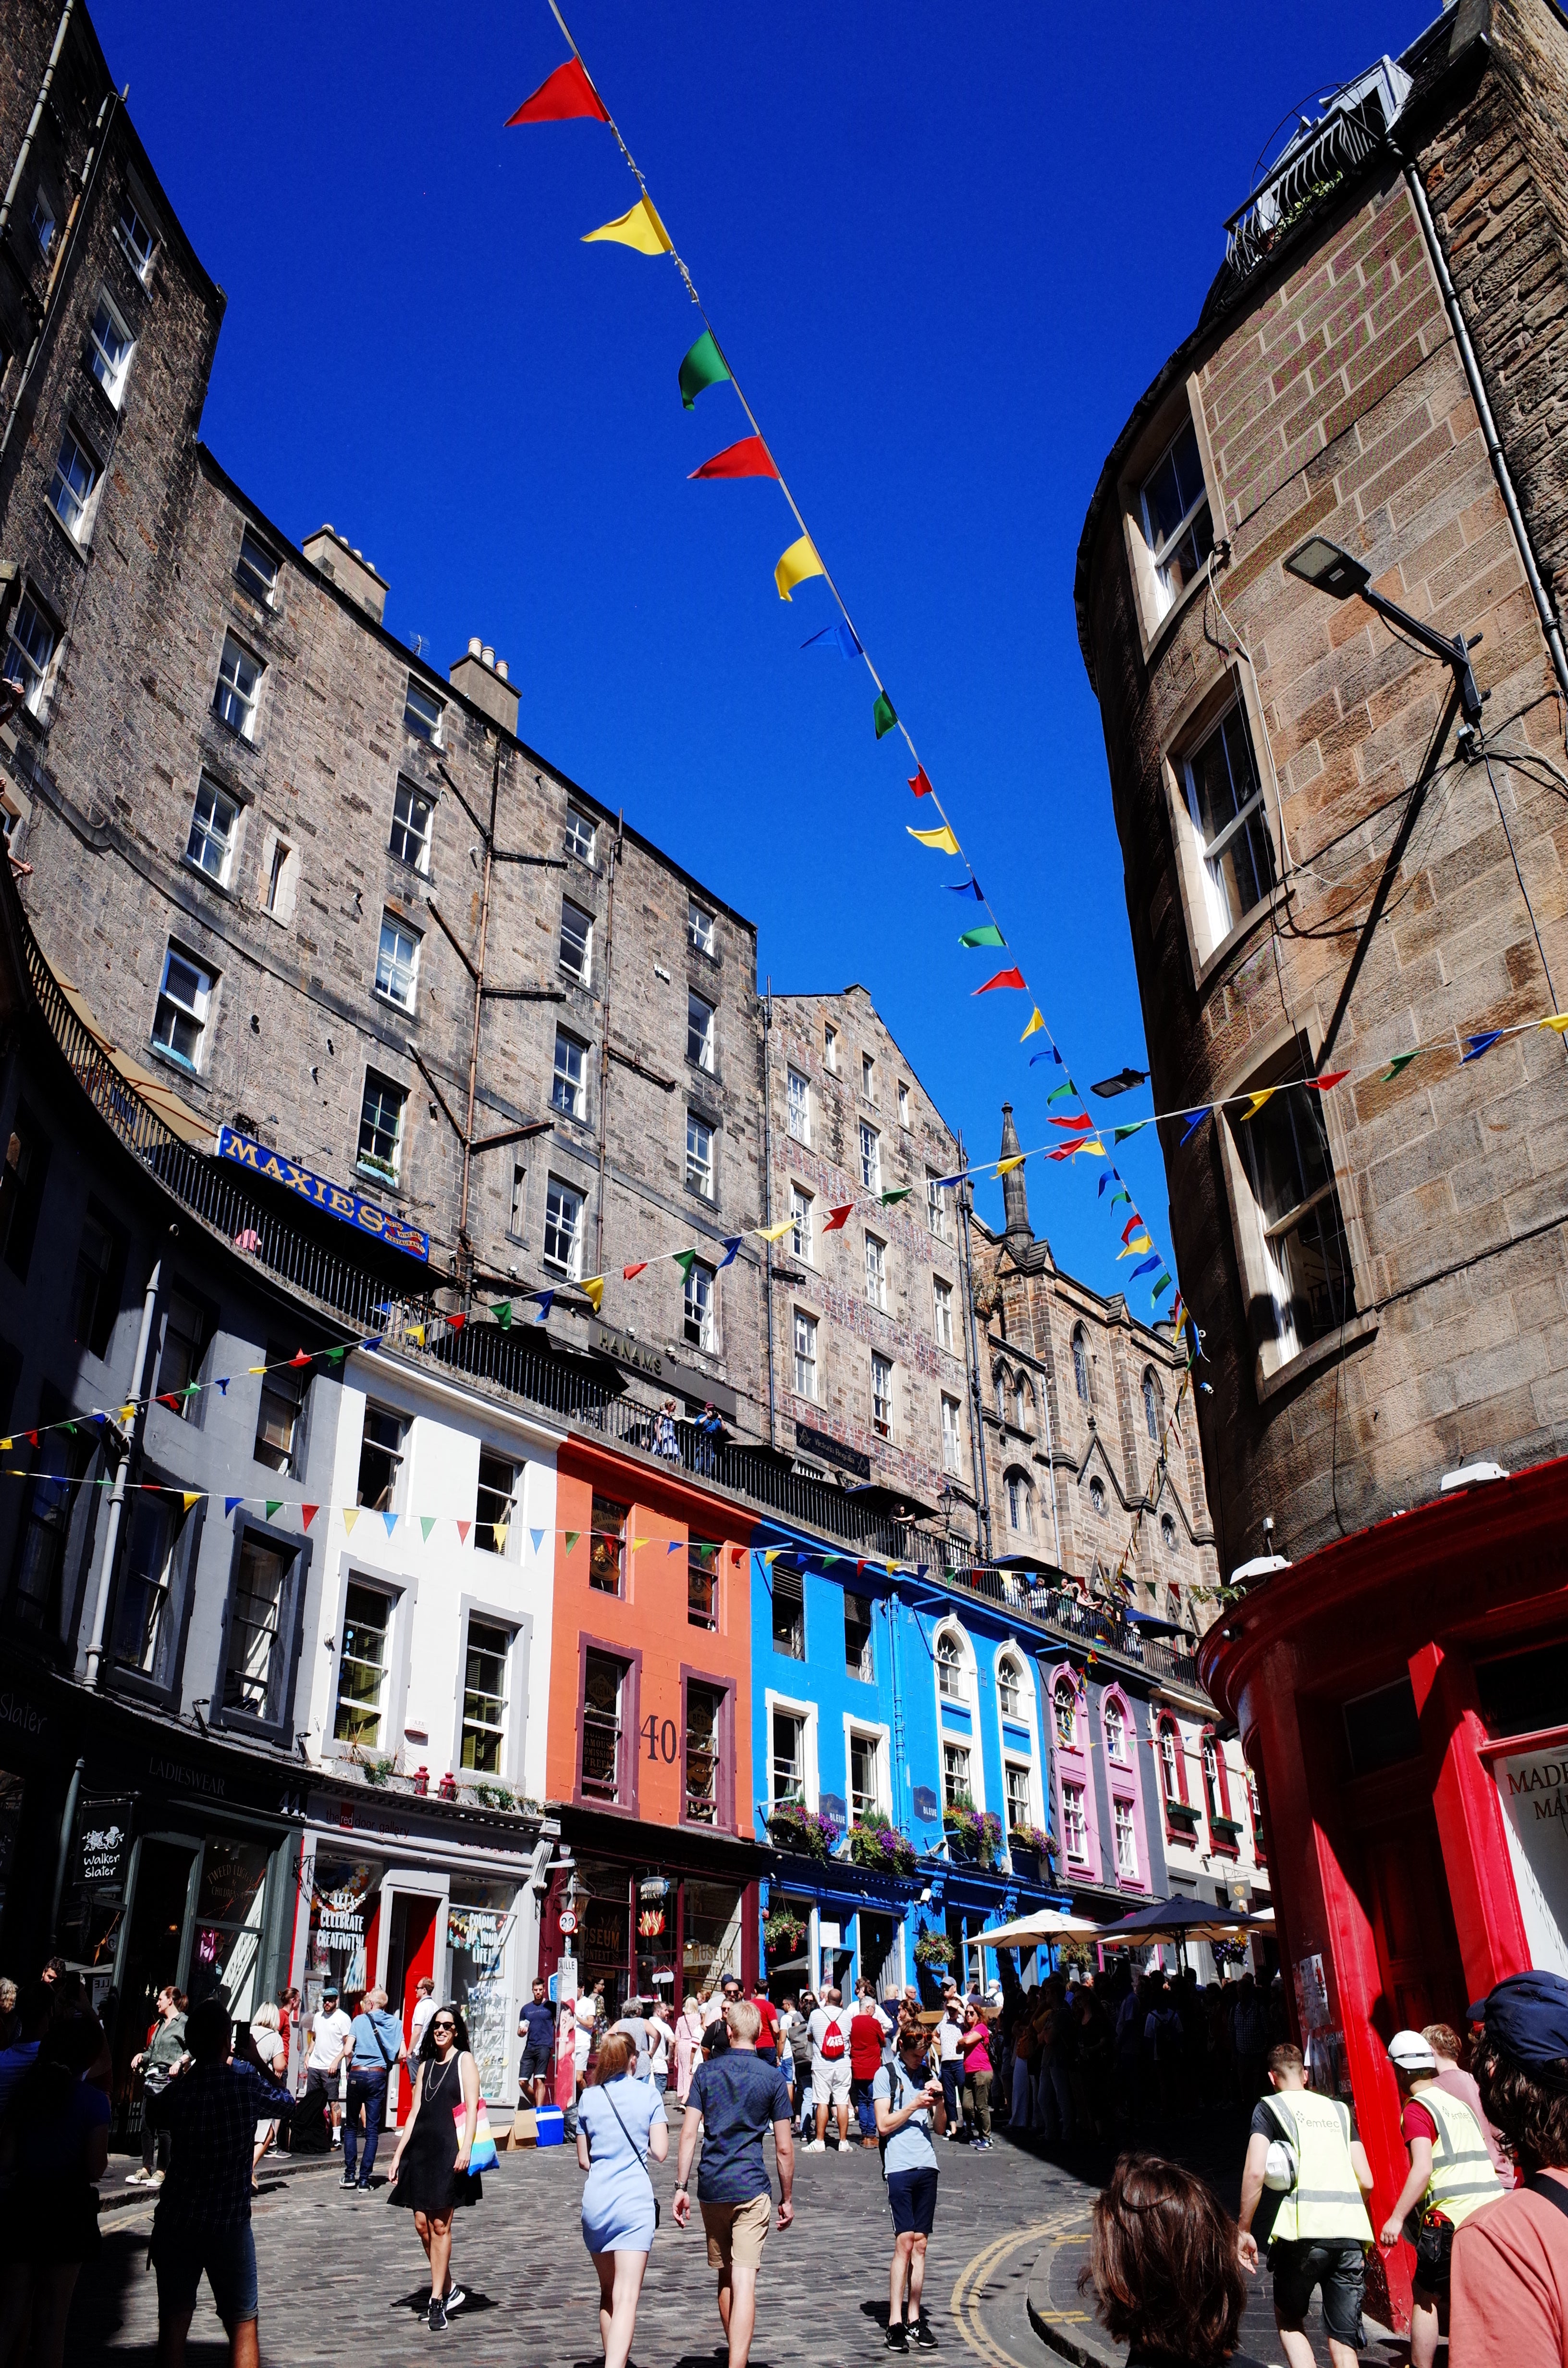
443,2022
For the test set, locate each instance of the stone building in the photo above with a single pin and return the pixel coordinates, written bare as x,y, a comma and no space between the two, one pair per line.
1379,1269
324,891
1092,1459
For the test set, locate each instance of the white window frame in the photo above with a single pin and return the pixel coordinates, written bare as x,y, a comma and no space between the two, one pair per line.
111,370
701,1024
958,1749
1124,1837
514,1697
342,1745
803,1342
802,1209
211,832
869,1076
870,1158
431,728
576,966
938,1222
1113,1719
1214,919
799,1097
1024,1768
564,1210
198,1011
397,972
700,1160
876,1272
1010,1679
903,1117
256,568
881,1393
791,1707
698,927
1162,550
411,794
569,1085
880,1737
29,672
369,1162
952,1669
952,1434
830,1047
581,835
1075,1829
74,504
942,1313
699,1307
143,252
236,664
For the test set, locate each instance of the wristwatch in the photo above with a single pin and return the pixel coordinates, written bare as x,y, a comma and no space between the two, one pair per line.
683,2191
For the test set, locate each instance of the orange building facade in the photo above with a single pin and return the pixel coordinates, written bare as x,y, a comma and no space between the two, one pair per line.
649,1750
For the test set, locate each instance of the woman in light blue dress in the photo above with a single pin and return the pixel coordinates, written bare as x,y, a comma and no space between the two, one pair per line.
620,2121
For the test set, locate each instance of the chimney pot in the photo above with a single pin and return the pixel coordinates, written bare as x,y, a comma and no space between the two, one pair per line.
489,656
473,645
501,669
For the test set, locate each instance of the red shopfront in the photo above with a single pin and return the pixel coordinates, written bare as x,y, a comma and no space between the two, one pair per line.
1401,1695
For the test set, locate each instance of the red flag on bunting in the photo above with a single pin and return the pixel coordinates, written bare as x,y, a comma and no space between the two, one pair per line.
1003,978
1334,1077
630,1273
920,785
307,1514
564,94
749,457
1077,1126
837,1217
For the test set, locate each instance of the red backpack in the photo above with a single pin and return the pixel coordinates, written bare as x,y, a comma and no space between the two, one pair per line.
831,2050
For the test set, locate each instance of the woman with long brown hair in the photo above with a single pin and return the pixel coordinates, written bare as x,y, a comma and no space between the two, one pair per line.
430,2176
1163,2261
620,2121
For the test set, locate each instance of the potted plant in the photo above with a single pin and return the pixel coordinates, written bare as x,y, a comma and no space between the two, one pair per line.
793,1826
1032,1849
880,1847
933,1949
972,1834
783,1929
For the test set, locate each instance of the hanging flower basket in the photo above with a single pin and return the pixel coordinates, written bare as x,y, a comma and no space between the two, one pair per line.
792,1828
933,1948
881,1849
783,1929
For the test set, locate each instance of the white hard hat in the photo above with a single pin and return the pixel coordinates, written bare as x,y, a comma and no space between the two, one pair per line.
1411,2053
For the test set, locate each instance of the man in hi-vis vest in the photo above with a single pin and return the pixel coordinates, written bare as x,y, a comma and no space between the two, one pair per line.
1320,2232
1451,2174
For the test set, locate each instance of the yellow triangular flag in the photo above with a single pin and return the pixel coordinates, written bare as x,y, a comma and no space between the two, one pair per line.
942,840
641,228
1093,1145
128,1414
1254,1103
773,1233
350,1515
1037,1021
1006,1166
798,563
189,1496
1559,1020
594,1291
1139,1242
255,1368
417,1334
498,1532
771,1556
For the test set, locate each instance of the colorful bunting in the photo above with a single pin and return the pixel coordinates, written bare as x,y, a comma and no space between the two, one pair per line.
1162,1286
498,1532
1140,1242
836,1218
1403,1061
1081,1124
1479,1044
839,637
426,1524
307,1515
918,783
748,458
639,227
565,94
593,1291
987,934
1003,978
350,1515
538,1537
730,1249
631,1273
1121,1133
1150,1266
463,1529
572,1538
1321,1084
970,887
771,1233
1558,1022
546,1302
229,1503
685,1259
390,1521
1006,1166
891,1200
942,840
704,367
884,715
1254,1103
1197,1118
274,1504
1036,1022
796,566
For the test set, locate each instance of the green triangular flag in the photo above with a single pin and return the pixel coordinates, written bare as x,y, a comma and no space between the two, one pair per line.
1401,1061
274,1504
1068,1088
572,1538
884,715
1119,1196
427,1523
703,367
501,1312
335,1356
1163,1284
1123,1132
988,934
903,1193
685,1259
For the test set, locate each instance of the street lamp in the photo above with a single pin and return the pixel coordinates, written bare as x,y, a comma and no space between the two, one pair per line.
1328,569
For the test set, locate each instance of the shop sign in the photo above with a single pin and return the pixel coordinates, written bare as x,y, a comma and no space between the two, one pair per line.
350,1208
103,1842
1533,1789
681,1380
813,1441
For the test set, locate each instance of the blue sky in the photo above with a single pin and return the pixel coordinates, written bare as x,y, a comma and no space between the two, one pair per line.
946,250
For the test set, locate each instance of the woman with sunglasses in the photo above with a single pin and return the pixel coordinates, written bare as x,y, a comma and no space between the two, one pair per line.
429,2173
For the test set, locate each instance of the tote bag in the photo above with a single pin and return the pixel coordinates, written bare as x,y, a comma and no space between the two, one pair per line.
481,2155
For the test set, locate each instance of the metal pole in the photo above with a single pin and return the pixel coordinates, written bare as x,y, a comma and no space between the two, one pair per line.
117,1493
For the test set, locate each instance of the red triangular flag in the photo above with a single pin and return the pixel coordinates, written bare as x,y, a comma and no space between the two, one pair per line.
1131,1226
298,1357
630,1273
563,94
836,1217
456,1323
307,1514
32,1438
169,1398
1334,1077
749,457
1075,1125
1003,978
920,785
463,1529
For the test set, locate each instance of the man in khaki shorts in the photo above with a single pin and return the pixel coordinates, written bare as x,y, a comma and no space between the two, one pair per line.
735,2095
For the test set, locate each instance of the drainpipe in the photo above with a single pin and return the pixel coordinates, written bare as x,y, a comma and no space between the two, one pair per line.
767,1203
117,1494
40,104
1494,452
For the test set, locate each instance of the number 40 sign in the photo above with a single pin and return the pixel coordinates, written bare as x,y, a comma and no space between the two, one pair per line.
662,1739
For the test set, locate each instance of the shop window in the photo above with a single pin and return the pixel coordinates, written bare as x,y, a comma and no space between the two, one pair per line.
858,1659
280,1409
704,1755
21,1190
38,1589
865,1803
485,1697
607,1547
381,1458
345,1903
604,1686
789,1757
187,1334
226,1946
788,1614
701,1584
100,1272
363,1668
149,1609
1010,1687
260,1625
1521,1692
494,1501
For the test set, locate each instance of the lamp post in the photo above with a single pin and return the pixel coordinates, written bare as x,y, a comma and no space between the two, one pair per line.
1328,569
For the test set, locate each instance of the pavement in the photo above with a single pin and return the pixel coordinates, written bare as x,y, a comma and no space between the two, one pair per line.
342,2276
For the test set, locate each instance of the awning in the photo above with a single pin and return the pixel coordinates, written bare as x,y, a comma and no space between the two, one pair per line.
1046,1924
153,1088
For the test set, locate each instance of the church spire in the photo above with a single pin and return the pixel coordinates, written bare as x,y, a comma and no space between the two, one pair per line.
1015,1192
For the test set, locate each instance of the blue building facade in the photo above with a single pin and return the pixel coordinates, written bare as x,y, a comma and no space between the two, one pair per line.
892,1700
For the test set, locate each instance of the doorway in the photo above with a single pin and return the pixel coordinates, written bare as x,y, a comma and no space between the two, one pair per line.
160,1897
411,1958
875,1938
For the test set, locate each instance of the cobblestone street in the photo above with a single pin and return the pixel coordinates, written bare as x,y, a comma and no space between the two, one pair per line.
342,2276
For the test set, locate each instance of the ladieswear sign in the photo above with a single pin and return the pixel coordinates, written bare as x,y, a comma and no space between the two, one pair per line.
350,1207
1533,1788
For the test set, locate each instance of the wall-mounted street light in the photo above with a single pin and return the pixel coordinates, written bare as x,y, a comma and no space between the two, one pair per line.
1328,569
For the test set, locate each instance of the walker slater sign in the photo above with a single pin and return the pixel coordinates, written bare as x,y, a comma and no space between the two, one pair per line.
103,1842
350,1208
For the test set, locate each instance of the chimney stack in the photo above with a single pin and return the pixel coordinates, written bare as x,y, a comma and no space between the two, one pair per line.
332,556
481,677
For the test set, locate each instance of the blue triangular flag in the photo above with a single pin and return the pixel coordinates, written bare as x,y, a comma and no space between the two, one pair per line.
390,1521
1150,1266
1479,1044
839,637
971,887
222,1383
1197,1119
538,1537
1047,1056
731,1246
1105,1180
374,1341
229,1503
674,1546
546,1302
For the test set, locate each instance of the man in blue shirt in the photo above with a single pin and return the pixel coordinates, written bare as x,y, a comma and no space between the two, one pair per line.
377,2046
735,2095
536,2029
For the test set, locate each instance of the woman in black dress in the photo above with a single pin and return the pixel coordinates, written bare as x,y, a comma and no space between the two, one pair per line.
429,2173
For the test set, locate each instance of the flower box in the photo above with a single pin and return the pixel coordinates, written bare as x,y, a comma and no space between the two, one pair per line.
792,1827
974,1835
881,1849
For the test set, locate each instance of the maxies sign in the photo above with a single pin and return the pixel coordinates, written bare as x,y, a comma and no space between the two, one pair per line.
1532,1786
350,1208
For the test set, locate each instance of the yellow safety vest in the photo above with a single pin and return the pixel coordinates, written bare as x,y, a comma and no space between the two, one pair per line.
1326,2205
1463,2176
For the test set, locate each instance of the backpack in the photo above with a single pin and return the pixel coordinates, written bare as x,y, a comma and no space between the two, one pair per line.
832,2048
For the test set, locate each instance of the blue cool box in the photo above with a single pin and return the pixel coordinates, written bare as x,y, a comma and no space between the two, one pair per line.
552,2125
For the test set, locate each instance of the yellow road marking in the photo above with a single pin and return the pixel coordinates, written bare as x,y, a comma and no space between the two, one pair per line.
969,2287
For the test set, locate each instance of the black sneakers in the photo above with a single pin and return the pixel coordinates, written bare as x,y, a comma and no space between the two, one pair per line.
437,2318
454,2298
920,2328
897,2340
348,2179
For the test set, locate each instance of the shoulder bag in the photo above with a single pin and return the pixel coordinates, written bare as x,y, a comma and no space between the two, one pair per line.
626,2133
